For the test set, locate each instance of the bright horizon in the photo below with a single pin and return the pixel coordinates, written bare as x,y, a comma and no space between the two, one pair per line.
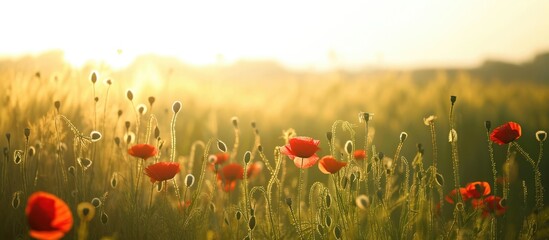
304,34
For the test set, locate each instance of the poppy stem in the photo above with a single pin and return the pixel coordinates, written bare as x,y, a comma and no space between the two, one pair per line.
298,223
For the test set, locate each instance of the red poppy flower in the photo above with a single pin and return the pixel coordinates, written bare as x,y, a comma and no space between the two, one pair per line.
228,176
494,204
478,189
302,150
48,216
506,133
359,154
218,159
254,169
452,197
329,165
162,171
143,151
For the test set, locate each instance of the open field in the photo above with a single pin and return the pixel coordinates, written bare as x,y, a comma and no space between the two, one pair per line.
275,99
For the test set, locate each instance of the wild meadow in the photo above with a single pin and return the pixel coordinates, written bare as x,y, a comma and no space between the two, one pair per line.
252,150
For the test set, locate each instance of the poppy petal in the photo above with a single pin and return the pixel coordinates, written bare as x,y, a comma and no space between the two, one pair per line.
305,162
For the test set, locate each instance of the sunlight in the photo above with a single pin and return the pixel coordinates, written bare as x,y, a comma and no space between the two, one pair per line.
304,34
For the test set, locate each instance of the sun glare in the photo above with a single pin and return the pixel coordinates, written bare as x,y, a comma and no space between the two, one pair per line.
299,34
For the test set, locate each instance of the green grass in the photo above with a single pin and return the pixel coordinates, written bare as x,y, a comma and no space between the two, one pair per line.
402,196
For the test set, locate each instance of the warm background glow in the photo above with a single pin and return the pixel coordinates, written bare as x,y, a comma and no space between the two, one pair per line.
302,34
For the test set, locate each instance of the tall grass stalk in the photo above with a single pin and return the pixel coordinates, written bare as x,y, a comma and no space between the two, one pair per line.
537,175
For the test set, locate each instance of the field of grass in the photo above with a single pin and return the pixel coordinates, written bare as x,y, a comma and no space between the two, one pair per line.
397,192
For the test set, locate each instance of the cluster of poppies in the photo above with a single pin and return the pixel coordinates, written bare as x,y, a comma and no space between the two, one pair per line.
228,174
158,172
302,150
478,194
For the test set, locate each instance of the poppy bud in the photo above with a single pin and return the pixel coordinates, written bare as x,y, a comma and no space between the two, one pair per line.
93,77
6,152
17,156
8,136
189,180
328,220
328,200
117,141
31,151
96,99
247,157
251,223
176,107
16,200
156,132
403,136
108,82
380,155
221,146
439,179
252,211
488,125
337,232
420,149
289,202
253,124
349,147
459,206
95,136
141,109
104,218
353,178
329,136
84,163
96,202
127,124
362,202
541,136
344,182
86,211
453,99
119,113
114,180
212,207
57,105
72,170
260,148
129,95
234,120
238,215
226,220
151,100
27,133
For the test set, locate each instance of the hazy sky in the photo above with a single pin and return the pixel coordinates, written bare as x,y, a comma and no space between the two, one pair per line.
296,33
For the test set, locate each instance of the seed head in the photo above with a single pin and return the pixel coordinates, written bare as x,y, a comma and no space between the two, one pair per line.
95,136
96,202
349,147
8,137
57,105
289,202
439,179
141,109
328,220
17,156
253,124
251,223
119,113
96,99
403,136
72,170
16,200
176,107
337,232
27,133
453,99
93,77
247,157
238,215
189,180
329,136
129,95
108,82
234,120
429,120
114,180
84,163
260,148
151,100
104,218
117,141
328,200
31,151
488,125
541,136
221,146
86,211
362,202
156,132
